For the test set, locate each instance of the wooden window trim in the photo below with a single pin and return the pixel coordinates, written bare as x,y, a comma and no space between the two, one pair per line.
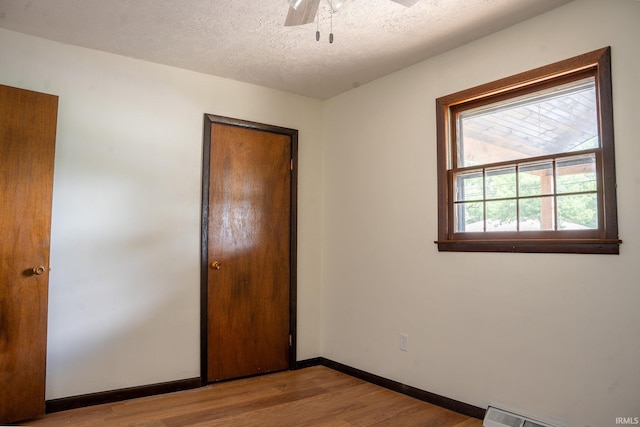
603,240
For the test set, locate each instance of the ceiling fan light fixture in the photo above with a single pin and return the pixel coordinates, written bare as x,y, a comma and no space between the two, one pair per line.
338,4
406,3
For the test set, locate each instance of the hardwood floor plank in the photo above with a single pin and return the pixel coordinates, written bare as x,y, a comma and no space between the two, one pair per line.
315,396
313,410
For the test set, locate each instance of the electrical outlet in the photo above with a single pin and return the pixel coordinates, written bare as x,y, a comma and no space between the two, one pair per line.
404,342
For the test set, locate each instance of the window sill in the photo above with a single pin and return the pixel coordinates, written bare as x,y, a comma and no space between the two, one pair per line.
568,246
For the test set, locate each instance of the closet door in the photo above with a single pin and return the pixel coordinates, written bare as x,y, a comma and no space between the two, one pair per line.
27,144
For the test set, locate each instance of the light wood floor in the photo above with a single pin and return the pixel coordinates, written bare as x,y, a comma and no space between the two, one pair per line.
316,396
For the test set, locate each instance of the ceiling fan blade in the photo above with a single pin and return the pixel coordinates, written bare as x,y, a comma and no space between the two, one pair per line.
295,3
407,3
305,13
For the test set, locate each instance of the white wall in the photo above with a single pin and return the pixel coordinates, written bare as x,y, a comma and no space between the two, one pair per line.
124,285
556,336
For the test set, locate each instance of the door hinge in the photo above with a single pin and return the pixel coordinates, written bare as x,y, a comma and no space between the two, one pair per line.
291,164
290,340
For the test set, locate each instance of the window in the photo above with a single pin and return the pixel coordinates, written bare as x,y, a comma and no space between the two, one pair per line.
526,163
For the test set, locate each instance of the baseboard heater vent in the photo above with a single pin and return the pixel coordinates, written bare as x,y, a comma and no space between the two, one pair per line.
495,417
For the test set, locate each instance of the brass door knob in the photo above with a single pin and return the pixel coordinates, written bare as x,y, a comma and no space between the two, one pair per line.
38,270
216,265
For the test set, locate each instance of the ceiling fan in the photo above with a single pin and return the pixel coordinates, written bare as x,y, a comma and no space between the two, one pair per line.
303,12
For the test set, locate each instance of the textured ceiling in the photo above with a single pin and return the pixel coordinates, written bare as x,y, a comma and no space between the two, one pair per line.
246,40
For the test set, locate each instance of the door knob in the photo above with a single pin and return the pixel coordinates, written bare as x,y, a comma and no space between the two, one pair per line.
38,270
216,265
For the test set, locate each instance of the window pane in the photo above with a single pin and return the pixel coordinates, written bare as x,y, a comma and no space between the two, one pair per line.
552,121
535,179
502,215
577,212
536,214
500,183
576,174
469,186
469,217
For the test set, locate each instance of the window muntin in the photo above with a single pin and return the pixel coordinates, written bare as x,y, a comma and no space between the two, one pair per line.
526,163
555,194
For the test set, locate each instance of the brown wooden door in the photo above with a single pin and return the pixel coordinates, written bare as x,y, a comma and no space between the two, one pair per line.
27,144
249,262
